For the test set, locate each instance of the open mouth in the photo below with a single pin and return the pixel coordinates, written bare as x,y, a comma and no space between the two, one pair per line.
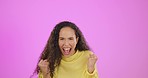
66,51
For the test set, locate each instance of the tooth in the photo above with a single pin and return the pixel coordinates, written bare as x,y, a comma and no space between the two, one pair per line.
66,48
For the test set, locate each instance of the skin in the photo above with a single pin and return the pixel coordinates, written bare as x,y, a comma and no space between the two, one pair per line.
67,40
43,64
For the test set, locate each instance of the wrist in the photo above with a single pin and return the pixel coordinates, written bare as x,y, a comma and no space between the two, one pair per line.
91,69
46,75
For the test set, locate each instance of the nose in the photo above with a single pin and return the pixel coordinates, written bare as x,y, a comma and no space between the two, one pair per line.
66,42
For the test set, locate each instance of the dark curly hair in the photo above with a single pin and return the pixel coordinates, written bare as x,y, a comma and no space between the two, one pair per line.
52,51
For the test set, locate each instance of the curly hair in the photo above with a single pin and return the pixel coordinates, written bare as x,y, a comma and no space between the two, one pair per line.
52,51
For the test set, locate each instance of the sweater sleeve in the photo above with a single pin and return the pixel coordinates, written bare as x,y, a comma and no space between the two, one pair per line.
40,75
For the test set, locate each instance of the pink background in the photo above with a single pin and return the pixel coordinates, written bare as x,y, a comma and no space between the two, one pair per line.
116,30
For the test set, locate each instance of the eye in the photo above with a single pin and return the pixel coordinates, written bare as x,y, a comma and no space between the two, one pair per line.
71,38
61,38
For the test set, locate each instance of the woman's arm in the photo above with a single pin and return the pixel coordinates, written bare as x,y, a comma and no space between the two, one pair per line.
41,75
91,63
91,71
44,69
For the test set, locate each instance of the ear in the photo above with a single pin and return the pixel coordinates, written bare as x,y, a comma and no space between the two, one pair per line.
77,39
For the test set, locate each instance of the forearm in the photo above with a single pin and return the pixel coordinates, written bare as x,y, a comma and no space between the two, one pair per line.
43,75
91,69
47,75
92,72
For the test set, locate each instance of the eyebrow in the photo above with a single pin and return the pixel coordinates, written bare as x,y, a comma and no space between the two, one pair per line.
61,37
68,37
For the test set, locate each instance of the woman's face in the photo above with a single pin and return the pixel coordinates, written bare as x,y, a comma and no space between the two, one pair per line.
67,41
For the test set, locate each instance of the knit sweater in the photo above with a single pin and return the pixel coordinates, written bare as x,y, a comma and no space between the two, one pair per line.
74,66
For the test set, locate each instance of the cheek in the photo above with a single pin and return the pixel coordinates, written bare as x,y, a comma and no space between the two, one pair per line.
73,43
60,43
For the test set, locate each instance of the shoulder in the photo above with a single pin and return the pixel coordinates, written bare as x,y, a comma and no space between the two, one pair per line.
87,52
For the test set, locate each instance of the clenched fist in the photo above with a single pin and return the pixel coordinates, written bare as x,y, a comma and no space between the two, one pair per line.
43,65
91,62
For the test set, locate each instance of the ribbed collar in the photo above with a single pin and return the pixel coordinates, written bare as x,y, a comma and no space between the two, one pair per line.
73,57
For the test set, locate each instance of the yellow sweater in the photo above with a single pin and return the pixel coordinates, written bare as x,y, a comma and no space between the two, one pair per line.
74,66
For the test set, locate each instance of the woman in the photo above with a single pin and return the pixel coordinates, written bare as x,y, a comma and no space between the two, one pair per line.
67,55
